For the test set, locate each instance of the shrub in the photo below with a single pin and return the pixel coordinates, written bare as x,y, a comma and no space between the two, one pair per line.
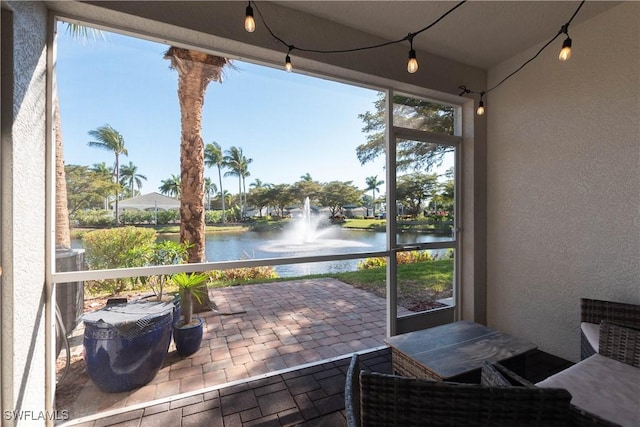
168,217
243,274
165,252
136,217
117,248
402,257
92,218
213,217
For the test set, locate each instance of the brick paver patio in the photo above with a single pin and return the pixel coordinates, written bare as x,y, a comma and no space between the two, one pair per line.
259,329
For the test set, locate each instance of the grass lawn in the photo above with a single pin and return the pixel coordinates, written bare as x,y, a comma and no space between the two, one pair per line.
419,284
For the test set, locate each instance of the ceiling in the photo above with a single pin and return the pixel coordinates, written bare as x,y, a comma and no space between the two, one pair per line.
478,33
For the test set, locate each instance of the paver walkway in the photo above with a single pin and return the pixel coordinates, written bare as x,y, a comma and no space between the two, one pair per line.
259,329
311,396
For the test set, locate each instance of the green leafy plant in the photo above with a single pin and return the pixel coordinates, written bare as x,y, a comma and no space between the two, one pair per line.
117,248
190,286
165,252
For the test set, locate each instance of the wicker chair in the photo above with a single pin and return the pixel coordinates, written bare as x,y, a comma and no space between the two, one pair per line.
375,399
498,375
592,312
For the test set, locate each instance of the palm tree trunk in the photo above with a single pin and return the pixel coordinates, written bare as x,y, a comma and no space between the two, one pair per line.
191,95
117,172
221,194
63,235
191,90
195,71
240,196
373,202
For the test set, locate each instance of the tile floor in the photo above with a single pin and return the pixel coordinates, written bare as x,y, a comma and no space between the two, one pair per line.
258,329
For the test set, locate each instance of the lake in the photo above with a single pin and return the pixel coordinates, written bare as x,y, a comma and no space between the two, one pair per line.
227,246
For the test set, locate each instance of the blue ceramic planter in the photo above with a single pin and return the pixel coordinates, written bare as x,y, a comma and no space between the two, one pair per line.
188,338
118,361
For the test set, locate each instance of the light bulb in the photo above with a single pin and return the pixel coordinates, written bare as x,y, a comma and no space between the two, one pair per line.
412,65
287,63
249,22
480,110
565,53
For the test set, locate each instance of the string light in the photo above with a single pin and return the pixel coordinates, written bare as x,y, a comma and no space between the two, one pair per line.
249,22
412,65
565,54
287,61
480,110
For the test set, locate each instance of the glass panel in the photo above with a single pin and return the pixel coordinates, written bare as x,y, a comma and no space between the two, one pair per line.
425,189
425,280
425,198
420,114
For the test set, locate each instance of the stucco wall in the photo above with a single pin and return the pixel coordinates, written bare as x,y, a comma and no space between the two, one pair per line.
23,220
563,182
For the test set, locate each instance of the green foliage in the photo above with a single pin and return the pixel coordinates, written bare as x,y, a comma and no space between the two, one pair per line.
168,217
87,188
337,194
412,113
92,218
165,252
213,217
243,274
170,186
413,189
410,257
136,217
116,248
191,286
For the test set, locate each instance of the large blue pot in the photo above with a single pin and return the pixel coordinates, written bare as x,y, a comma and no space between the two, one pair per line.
188,338
118,362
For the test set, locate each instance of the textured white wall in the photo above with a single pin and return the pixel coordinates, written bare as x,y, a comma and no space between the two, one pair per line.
23,207
564,182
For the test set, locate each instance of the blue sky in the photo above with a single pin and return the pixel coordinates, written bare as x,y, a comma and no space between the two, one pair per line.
287,123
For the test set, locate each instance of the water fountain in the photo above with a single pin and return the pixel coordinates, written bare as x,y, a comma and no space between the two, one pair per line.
310,233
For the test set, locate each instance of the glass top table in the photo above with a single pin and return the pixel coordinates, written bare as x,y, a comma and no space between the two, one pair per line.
453,352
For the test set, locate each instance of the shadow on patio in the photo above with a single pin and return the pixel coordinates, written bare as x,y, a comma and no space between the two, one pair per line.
259,329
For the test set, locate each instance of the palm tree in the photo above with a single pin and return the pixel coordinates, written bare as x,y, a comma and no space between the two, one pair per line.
209,188
213,157
171,186
101,168
238,164
195,71
129,177
63,232
107,138
373,184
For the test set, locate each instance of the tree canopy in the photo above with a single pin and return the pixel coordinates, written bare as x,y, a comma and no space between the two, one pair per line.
413,113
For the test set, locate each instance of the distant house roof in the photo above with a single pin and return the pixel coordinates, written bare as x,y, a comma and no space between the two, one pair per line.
150,201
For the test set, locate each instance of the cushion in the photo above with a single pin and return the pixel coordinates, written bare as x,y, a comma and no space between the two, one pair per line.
592,332
603,386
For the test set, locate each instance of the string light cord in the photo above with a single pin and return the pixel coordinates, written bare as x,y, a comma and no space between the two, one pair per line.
563,30
408,37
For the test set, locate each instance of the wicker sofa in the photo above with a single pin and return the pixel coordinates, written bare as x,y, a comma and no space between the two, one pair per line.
376,399
606,382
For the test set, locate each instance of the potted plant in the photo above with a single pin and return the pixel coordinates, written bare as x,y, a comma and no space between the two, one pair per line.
187,333
166,252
